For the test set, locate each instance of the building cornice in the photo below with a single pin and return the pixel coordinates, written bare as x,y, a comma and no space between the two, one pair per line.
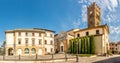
102,26
29,30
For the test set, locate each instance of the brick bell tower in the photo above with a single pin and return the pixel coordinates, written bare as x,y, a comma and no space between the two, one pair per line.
93,15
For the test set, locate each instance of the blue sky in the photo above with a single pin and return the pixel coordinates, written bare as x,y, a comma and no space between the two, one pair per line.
57,15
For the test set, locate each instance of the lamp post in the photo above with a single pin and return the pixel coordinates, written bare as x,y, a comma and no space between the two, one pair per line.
77,52
66,51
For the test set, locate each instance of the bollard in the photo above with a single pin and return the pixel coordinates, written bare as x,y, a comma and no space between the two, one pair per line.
76,58
36,57
65,57
52,56
3,57
19,56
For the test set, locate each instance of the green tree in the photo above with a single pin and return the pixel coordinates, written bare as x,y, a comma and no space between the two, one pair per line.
79,45
74,46
85,45
92,45
3,45
82,45
70,48
88,45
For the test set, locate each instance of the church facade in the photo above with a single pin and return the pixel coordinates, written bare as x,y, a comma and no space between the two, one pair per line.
100,32
62,40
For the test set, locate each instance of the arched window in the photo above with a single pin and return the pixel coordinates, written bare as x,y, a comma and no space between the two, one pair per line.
87,33
33,50
78,35
97,32
26,51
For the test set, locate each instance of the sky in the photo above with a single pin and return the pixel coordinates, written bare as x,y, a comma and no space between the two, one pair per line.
57,15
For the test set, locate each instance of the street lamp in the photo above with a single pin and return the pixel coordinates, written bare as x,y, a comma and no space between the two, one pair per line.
66,51
77,52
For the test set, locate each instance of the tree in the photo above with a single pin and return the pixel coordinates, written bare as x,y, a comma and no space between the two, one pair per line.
82,45
70,48
88,45
85,45
79,45
92,45
3,45
74,46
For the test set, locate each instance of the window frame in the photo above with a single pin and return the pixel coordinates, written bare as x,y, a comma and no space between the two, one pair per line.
87,33
19,41
78,35
26,41
39,40
26,34
26,51
45,42
33,41
33,50
19,33
97,32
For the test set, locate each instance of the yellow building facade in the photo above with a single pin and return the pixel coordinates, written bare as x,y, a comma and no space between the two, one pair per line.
29,42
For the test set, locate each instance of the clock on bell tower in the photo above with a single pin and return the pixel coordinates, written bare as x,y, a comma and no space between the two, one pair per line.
93,15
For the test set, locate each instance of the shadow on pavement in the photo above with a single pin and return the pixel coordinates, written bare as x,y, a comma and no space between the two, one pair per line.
110,60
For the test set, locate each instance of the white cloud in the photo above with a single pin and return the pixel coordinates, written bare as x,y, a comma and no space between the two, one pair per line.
115,29
76,24
109,14
114,3
108,6
115,38
84,13
82,1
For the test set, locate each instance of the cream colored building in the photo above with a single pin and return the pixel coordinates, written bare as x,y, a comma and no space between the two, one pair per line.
62,40
101,32
118,47
29,42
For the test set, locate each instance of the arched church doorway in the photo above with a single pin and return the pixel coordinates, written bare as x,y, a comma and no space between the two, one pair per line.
10,51
62,47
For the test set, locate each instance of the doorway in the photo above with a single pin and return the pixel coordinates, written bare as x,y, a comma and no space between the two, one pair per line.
10,51
62,50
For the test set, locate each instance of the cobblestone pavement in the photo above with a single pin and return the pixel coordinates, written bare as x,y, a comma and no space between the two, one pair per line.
111,59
